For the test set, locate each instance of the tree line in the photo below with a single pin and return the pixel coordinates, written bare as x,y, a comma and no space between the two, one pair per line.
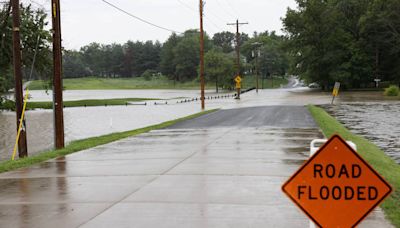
177,58
350,41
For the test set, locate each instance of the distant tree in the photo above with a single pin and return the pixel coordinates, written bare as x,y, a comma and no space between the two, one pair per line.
167,65
224,40
73,65
180,55
219,67
273,57
92,56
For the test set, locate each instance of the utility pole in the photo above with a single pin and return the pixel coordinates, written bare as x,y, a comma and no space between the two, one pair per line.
22,145
237,49
202,81
256,54
57,79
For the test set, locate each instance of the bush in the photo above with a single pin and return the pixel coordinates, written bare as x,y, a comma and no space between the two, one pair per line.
392,91
148,74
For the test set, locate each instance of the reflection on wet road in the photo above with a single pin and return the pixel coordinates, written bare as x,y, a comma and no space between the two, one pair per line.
377,121
203,177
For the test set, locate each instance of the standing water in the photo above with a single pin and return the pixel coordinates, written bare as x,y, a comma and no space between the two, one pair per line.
379,122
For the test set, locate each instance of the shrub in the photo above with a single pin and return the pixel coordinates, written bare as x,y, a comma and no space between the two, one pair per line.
148,74
392,91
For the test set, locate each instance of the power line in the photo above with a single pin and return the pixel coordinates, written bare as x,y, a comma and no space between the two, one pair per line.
140,19
233,8
194,10
226,11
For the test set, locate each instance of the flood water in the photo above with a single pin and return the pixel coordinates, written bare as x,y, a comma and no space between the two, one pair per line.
82,123
379,122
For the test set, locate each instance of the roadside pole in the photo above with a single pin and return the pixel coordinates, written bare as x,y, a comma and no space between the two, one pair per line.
237,24
202,82
335,91
256,54
57,80
22,144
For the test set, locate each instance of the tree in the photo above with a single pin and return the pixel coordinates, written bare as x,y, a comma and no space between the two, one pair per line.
74,66
219,67
351,41
34,38
180,55
225,40
167,64
274,59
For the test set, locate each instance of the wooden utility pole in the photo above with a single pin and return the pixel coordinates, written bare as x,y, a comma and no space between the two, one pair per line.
57,79
202,81
237,50
256,55
237,44
22,145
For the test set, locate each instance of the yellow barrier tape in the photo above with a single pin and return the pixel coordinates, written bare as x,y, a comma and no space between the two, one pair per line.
20,125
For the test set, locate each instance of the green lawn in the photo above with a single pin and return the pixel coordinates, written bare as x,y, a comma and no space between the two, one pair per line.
83,103
94,83
10,105
387,167
84,144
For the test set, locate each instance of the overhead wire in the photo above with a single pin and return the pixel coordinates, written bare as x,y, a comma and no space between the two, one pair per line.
233,8
140,19
194,10
228,13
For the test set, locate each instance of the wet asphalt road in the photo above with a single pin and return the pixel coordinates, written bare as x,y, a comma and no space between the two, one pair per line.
268,116
220,170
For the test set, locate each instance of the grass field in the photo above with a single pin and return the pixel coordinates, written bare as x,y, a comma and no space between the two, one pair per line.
92,83
10,105
89,103
84,144
387,167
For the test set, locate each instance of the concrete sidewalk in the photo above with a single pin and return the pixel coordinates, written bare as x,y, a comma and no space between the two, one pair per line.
220,176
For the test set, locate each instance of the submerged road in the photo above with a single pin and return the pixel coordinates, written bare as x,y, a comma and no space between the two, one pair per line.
224,169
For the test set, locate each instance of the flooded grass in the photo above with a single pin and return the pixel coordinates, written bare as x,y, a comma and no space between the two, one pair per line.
88,103
387,167
31,105
84,144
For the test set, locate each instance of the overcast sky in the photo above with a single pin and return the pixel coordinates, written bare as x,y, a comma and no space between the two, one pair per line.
86,21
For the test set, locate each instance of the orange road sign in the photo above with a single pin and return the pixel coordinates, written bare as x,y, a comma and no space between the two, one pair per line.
336,187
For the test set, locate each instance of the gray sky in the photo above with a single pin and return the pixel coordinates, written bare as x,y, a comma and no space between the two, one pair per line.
86,21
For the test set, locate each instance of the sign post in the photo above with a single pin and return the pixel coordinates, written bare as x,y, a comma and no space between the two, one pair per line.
335,91
377,80
336,187
238,81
